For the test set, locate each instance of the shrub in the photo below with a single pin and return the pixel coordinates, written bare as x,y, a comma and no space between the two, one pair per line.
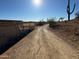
52,23
40,23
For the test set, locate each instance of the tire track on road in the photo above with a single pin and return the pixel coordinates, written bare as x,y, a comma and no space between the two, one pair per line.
65,50
42,44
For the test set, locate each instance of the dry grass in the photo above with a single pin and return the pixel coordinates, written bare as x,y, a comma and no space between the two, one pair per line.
29,25
69,31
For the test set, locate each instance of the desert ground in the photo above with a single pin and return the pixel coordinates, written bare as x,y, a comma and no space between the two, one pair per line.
41,44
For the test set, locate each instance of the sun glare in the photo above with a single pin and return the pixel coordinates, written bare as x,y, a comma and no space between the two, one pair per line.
37,2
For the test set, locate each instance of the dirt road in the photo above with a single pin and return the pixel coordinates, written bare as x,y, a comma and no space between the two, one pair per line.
43,44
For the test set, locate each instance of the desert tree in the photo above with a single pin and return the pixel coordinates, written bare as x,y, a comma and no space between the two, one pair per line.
40,23
61,19
69,12
51,22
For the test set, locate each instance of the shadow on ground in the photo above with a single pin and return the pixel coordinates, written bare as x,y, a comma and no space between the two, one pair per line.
13,40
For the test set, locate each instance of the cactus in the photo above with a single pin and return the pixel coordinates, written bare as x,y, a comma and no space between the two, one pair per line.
69,12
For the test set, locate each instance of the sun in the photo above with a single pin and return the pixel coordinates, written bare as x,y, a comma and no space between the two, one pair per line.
37,2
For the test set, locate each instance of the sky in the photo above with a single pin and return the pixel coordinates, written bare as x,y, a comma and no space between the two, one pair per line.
29,10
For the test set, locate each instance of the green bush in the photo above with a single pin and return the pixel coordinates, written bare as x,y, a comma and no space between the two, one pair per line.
40,23
52,23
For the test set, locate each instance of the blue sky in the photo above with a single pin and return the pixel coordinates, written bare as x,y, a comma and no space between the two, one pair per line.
27,11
